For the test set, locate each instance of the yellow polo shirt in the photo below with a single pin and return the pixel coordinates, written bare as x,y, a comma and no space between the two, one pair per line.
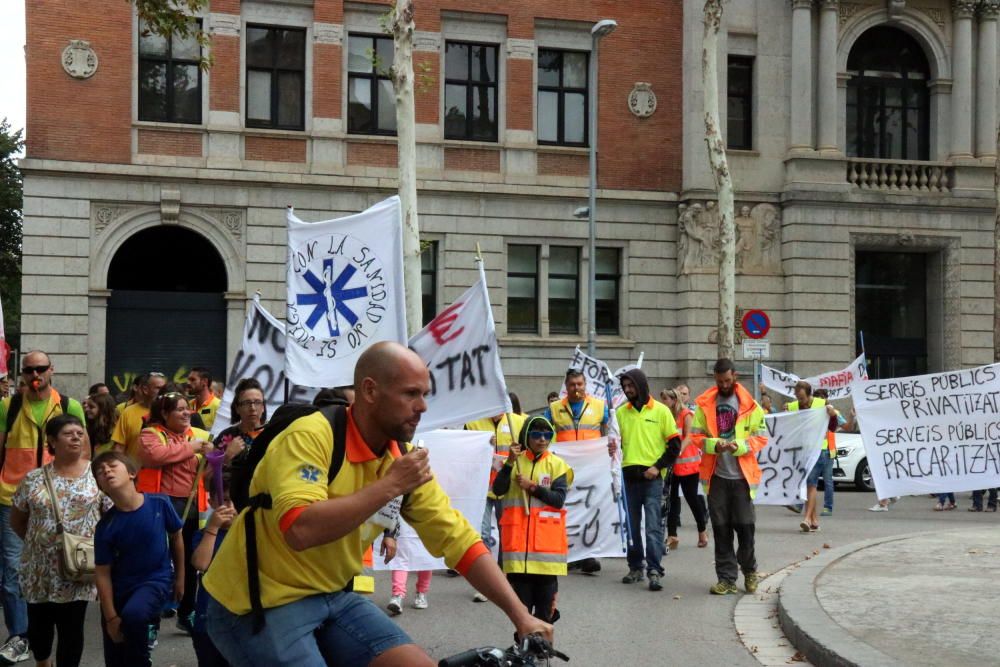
128,427
208,411
294,471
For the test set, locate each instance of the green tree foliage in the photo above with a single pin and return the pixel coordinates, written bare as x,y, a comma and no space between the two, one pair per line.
11,144
166,17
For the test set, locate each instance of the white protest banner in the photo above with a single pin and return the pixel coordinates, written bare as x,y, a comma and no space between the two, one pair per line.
600,379
262,357
794,442
460,349
345,292
592,521
838,383
935,433
461,464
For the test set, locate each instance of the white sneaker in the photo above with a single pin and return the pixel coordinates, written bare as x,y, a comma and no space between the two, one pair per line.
878,508
479,597
15,650
420,601
395,605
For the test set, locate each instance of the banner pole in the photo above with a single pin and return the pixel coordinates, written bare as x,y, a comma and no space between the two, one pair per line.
286,390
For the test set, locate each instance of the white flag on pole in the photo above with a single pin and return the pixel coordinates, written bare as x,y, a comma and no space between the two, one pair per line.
795,441
460,349
838,383
262,357
345,292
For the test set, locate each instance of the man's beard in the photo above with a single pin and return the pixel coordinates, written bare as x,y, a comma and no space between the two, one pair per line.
726,393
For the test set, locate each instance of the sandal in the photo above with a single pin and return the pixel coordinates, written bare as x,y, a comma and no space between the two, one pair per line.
702,540
950,506
939,507
805,527
814,528
672,542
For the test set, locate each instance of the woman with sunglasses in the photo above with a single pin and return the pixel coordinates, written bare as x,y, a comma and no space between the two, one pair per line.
532,487
170,453
684,475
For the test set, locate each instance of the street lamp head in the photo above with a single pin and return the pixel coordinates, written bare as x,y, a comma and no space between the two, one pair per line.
603,28
582,212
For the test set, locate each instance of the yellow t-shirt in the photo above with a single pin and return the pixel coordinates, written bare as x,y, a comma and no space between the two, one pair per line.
294,471
128,428
208,411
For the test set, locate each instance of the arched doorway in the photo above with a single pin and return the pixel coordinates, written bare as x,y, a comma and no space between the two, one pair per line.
166,311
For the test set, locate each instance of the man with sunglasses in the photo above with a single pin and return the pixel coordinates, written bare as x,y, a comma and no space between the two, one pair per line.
133,418
22,449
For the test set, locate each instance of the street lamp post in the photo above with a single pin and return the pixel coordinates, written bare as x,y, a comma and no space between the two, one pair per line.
601,29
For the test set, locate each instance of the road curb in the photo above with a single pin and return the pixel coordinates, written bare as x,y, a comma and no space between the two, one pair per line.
811,630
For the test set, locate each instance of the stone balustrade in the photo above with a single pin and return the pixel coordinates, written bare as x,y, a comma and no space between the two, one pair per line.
900,175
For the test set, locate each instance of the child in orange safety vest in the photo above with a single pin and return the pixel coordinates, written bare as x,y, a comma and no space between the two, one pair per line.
532,487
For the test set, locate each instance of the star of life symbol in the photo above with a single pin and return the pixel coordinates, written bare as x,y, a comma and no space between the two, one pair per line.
309,473
329,297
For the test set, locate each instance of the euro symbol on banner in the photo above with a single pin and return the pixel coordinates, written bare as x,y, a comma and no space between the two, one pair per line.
440,326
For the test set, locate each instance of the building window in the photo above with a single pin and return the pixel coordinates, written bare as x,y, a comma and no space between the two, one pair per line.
470,91
371,101
888,103
428,281
522,289
276,74
169,77
739,103
606,280
562,97
564,290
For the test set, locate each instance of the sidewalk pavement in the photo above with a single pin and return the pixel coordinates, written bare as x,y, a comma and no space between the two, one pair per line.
921,599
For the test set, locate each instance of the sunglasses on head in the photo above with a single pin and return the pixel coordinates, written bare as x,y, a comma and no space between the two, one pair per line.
544,435
28,370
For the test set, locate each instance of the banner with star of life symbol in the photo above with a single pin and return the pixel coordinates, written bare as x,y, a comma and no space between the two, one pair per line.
345,292
460,349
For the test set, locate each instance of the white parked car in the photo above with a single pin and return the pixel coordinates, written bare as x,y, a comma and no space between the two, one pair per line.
851,466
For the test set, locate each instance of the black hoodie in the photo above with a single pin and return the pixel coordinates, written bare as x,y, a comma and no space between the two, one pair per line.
673,447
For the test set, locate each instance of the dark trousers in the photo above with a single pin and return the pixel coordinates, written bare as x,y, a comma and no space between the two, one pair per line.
205,651
732,512
138,610
977,499
46,619
644,498
688,484
537,592
186,606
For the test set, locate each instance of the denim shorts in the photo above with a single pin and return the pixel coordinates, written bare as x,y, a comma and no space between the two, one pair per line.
328,629
817,471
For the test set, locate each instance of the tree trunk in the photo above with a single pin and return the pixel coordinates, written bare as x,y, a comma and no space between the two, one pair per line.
723,180
402,81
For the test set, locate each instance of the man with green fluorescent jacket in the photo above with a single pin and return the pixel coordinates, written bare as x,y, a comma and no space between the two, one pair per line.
650,445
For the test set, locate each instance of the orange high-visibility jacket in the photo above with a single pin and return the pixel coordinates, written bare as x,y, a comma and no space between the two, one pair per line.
587,428
750,435
689,462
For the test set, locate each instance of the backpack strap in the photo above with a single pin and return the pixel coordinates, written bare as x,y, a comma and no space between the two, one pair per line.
337,416
13,409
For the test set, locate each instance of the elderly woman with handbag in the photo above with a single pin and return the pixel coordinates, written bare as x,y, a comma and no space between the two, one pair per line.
55,511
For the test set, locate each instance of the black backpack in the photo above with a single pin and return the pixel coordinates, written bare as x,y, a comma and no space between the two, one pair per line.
243,467
12,411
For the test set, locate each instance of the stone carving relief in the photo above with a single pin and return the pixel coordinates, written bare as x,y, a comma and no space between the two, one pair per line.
230,219
102,216
964,9
847,10
79,60
758,238
642,100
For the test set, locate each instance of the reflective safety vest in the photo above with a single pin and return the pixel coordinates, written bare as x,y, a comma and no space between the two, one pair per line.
149,480
506,432
690,458
25,449
588,427
831,442
532,534
365,582
750,436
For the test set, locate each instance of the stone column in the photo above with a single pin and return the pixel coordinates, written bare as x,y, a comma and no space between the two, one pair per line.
986,80
801,102
826,84
961,91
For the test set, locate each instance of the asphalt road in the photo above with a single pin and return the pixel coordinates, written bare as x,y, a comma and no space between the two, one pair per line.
605,622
